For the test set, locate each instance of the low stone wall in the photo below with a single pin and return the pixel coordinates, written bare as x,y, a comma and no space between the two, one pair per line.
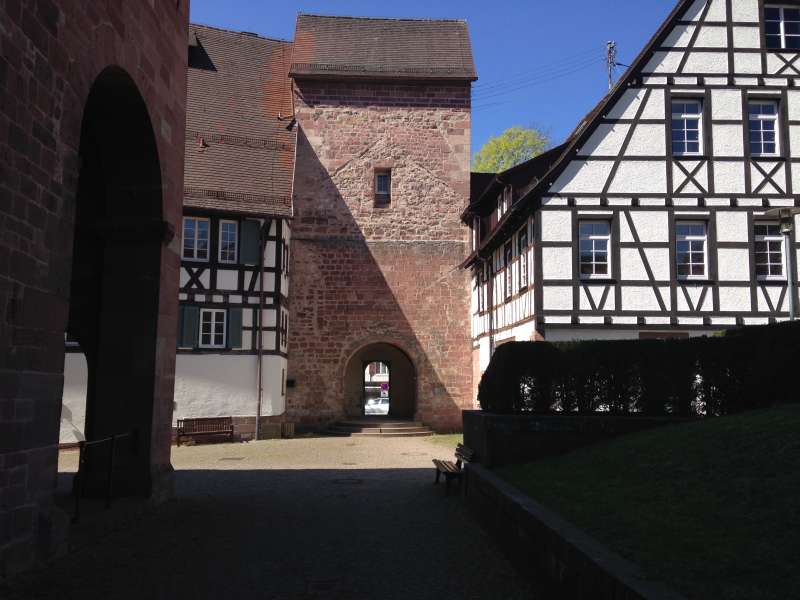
499,440
539,541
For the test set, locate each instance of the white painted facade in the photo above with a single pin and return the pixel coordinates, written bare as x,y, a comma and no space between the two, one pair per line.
622,169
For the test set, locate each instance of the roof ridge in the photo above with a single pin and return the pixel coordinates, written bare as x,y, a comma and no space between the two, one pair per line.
249,34
357,17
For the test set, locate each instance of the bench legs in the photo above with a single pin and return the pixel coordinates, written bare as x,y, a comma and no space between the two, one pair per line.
438,473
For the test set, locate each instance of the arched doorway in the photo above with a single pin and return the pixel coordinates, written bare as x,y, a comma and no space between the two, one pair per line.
116,276
377,368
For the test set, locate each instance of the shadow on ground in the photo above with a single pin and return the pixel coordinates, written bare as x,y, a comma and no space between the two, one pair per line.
286,534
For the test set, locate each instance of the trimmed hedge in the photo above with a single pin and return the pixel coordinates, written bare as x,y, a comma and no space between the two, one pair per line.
741,369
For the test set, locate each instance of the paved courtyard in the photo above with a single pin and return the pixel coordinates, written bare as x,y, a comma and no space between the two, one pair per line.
294,519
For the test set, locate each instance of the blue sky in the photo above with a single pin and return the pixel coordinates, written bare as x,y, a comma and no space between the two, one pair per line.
540,62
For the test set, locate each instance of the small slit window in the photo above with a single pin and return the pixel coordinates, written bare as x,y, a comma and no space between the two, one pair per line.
383,187
763,125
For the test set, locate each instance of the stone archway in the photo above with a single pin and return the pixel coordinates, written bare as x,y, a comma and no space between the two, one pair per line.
403,393
116,278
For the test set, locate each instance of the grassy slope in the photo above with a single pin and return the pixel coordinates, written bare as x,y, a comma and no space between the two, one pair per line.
448,440
713,508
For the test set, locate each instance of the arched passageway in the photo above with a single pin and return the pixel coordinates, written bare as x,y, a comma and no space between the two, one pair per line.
116,277
401,381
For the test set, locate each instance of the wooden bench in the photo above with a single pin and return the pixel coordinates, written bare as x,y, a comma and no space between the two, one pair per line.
453,470
205,426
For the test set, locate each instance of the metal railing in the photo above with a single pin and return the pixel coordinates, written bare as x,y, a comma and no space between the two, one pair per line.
79,486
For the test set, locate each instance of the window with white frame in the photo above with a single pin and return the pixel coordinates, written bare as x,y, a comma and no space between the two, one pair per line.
522,251
763,118
768,251
212,328
782,27
195,238
500,207
508,257
687,121
691,240
595,248
228,241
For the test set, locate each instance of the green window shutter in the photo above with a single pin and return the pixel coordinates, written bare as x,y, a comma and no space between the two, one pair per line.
188,326
251,242
235,328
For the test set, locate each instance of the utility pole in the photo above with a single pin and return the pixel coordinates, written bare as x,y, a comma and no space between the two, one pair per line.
611,62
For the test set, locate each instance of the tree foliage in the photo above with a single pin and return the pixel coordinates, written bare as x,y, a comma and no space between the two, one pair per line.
512,147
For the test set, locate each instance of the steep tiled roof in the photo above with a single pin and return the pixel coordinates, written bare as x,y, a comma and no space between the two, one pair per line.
381,48
239,154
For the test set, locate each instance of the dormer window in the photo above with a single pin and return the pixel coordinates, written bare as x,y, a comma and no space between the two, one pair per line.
782,27
383,187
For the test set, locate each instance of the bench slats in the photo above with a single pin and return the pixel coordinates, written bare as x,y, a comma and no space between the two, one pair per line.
205,426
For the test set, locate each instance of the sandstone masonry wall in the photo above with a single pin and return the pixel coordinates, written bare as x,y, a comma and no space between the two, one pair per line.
52,52
363,274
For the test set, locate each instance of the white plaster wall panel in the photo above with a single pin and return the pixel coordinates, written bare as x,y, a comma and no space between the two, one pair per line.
732,299
659,262
652,202
227,279
727,321
781,202
652,226
205,278
706,62
73,399
684,201
525,332
624,320
756,320
269,254
756,178
729,177
797,263
247,317
718,201
718,81
219,385
587,201
631,265
639,298
746,81
665,291
184,277
746,37
770,294
744,11
793,104
717,11
690,320
591,320
216,298
640,177
273,228
628,104
596,293
681,180
557,263
247,342
582,177
576,335
751,202
664,62
692,80
728,140
550,201
726,104
556,225
557,298
732,226
747,63
679,37
625,234
655,107
619,201
733,264
695,293
268,340
775,64
606,140
647,140
270,318
712,36
484,355
795,176
657,320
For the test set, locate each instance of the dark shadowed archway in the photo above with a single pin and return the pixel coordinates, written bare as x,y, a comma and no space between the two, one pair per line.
116,275
403,390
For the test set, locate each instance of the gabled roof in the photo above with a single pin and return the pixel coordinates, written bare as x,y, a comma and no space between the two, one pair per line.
239,153
360,47
578,137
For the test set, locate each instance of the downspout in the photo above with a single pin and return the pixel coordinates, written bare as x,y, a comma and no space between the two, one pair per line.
260,343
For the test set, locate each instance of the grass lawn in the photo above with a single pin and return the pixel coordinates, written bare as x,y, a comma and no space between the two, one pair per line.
450,440
711,508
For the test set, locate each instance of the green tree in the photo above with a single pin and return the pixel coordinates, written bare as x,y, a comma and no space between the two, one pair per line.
512,147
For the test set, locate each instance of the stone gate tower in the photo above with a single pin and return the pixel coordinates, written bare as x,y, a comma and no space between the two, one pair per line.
381,176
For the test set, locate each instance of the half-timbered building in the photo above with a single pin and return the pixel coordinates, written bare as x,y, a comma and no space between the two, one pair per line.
657,216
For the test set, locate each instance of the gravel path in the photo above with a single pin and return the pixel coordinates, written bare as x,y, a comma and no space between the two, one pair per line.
289,519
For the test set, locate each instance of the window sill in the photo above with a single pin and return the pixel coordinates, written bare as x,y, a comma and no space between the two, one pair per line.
604,280
698,280
691,157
